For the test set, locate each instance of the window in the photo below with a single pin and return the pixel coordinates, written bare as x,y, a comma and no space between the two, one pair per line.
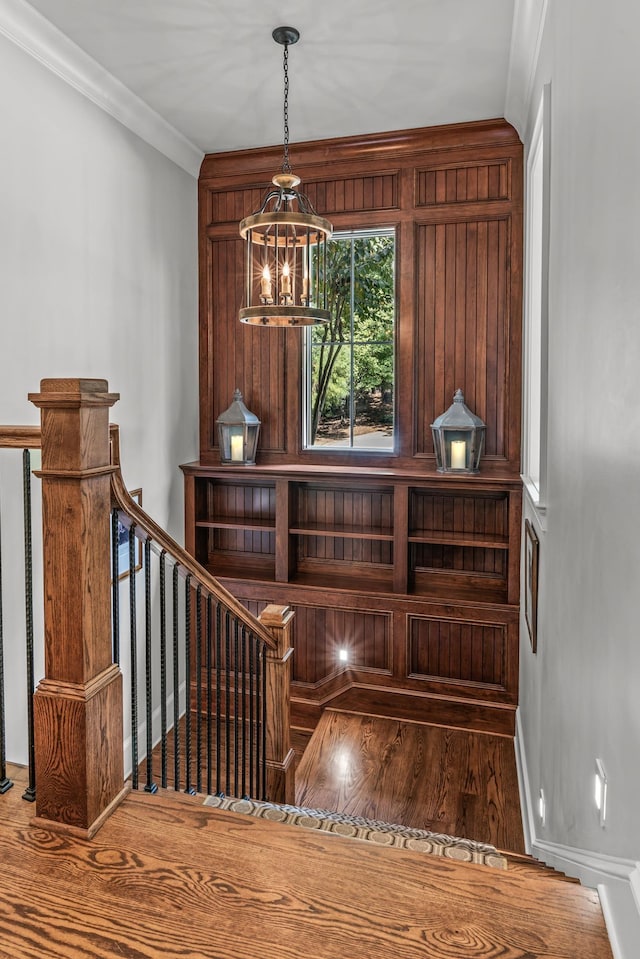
349,362
536,307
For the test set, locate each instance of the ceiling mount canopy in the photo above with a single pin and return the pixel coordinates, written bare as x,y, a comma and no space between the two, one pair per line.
286,242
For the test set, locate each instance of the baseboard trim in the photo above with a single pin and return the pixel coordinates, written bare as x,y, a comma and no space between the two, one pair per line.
617,880
23,25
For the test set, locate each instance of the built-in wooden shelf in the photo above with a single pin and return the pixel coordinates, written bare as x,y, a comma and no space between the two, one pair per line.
237,522
342,532
233,567
370,531
477,540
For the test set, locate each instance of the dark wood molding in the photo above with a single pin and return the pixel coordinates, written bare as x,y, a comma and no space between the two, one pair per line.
375,147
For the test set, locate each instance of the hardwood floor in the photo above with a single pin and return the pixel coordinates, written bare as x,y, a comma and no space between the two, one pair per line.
430,777
167,877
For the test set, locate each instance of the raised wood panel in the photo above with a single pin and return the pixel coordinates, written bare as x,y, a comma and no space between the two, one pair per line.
481,515
430,556
365,510
242,542
237,501
244,357
462,296
319,632
464,652
339,550
378,191
463,184
474,695
255,606
231,206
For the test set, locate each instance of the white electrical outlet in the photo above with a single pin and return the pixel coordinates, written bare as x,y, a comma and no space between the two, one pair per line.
542,807
600,791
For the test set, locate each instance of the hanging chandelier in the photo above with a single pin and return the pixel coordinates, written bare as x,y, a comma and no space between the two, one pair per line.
286,243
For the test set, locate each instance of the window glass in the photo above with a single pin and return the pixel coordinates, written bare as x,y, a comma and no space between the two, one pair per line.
349,362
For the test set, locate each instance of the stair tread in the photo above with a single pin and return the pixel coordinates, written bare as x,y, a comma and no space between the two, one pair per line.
361,828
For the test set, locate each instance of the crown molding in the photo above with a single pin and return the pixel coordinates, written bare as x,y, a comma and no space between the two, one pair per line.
35,35
526,37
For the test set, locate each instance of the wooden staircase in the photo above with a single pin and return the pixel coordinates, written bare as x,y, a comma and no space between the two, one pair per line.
459,782
168,877
519,863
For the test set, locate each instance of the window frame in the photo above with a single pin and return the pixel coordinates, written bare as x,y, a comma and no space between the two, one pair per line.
536,308
307,365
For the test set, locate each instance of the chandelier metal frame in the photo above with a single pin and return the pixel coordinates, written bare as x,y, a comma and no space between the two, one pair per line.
285,242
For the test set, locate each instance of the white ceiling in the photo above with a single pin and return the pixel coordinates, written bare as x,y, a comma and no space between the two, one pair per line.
211,69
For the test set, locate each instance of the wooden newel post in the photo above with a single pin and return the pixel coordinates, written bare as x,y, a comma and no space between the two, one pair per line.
281,786
78,704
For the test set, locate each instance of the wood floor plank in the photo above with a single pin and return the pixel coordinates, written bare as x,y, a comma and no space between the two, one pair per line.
165,877
430,777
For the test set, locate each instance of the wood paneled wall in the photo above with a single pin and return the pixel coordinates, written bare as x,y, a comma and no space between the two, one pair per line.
454,195
417,573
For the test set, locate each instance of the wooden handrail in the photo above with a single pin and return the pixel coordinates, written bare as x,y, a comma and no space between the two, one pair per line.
20,437
146,528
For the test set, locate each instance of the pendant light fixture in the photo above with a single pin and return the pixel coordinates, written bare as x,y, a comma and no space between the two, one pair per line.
286,243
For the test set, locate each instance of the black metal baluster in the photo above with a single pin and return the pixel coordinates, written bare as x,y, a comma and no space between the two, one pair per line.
263,722
188,788
150,786
163,667
236,706
252,666
218,666
243,666
227,698
5,783
115,588
30,792
258,715
133,645
199,687
176,685
208,656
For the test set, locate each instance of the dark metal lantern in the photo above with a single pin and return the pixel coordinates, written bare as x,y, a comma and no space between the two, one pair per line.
238,430
458,438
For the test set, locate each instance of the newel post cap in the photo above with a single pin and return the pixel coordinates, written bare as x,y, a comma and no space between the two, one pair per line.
73,391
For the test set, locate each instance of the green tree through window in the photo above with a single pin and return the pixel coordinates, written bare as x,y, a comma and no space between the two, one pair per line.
350,361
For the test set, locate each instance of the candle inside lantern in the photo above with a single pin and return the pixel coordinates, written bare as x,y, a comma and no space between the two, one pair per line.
458,454
285,280
265,284
237,449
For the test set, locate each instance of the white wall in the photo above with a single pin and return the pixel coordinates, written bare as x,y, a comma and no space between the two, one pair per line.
580,696
98,277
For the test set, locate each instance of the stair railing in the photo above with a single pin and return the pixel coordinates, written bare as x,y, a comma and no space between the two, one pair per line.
24,438
78,705
209,688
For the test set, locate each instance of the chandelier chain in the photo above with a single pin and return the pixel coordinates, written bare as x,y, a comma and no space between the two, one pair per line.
286,166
